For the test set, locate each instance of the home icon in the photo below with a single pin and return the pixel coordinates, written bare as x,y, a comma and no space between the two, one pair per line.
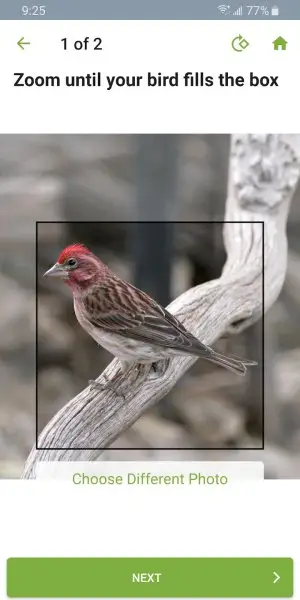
280,44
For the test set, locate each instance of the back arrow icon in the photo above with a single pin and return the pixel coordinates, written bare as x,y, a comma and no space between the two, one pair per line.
276,577
21,43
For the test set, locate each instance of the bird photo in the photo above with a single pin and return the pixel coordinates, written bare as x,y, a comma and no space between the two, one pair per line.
181,257
126,321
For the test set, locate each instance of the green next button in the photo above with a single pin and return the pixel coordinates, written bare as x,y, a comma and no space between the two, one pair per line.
150,577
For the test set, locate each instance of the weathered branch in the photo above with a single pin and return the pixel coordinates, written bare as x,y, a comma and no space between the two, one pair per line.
263,173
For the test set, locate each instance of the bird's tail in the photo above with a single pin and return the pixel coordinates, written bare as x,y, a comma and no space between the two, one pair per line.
237,365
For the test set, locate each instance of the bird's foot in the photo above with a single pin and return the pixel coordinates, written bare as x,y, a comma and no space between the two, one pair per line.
109,385
160,367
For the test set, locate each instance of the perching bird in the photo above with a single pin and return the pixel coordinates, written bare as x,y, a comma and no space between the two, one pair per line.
126,321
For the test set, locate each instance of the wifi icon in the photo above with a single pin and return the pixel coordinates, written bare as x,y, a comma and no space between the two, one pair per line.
224,9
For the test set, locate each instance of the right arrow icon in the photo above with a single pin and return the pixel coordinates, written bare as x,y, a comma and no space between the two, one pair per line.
276,577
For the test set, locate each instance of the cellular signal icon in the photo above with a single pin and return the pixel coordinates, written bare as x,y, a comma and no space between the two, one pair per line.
224,9
238,12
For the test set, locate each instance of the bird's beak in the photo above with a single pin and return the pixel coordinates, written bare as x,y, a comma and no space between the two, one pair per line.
56,271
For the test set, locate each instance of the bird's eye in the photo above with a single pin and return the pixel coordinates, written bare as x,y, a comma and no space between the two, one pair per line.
71,262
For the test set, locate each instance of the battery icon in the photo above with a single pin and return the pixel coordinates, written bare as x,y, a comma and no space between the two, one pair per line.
274,11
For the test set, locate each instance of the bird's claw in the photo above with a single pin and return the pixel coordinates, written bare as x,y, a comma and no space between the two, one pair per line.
106,386
159,368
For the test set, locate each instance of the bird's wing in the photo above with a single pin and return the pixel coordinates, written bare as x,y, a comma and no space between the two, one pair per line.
122,309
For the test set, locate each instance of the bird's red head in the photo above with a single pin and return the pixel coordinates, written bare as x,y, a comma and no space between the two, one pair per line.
74,250
77,266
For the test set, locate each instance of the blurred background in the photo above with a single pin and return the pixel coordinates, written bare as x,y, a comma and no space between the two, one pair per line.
105,183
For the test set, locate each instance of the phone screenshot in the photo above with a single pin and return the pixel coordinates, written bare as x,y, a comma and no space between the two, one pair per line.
150,299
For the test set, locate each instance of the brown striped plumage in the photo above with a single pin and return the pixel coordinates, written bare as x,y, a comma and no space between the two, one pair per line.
125,320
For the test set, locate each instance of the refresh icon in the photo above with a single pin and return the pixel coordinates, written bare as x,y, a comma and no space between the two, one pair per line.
239,43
